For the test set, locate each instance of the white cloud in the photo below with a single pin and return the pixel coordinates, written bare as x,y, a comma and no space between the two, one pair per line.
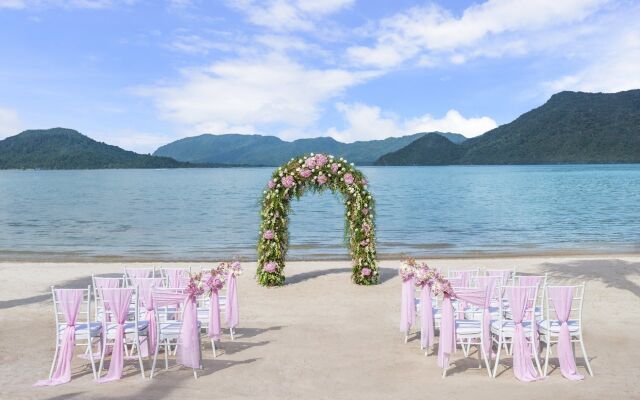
288,15
435,31
616,68
195,44
10,123
367,122
268,91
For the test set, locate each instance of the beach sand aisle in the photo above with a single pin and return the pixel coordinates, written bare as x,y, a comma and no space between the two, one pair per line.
321,337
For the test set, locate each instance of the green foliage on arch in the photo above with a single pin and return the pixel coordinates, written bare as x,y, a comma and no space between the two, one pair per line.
317,172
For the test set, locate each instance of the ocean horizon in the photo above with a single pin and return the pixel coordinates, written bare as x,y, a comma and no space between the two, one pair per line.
201,215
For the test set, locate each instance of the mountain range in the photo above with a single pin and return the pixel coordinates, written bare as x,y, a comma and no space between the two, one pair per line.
261,150
570,128
61,148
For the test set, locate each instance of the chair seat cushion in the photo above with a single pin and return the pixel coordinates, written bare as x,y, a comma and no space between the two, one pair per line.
508,327
129,327
172,328
468,327
553,326
81,329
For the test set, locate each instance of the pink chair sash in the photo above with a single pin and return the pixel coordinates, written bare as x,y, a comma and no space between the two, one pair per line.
426,317
189,342
447,345
174,277
523,368
118,301
106,283
69,300
214,315
407,306
233,315
139,273
145,285
489,284
562,298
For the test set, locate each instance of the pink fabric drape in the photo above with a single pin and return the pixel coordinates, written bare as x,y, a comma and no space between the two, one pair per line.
487,283
139,273
447,345
69,300
523,367
503,274
426,317
189,341
529,280
233,314
214,315
107,283
562,297
175,277
408,306
118,301
145,286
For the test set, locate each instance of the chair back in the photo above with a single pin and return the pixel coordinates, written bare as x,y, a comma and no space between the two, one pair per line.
139,273
168,303
133,310
465,276
83,316
101,282
529,306
505,274
173,276
577,300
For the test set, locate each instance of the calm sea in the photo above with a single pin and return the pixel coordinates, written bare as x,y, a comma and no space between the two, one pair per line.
212,214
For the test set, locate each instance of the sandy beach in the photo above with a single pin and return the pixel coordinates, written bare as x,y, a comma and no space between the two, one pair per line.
321,337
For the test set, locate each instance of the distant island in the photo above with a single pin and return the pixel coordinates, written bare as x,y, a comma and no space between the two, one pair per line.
570,128
61,148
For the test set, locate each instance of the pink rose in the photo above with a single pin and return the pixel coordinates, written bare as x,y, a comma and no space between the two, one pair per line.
334,168
366,271
288,181
268,235
321,160
364,243
348,178
364,182
365,211
270,266
366,228
305,173
322,179
310,162
271,184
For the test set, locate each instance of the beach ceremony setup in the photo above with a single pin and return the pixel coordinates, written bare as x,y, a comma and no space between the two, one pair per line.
319,199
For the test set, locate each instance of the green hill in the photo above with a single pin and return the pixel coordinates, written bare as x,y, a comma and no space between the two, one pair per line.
60,148
272,151
570,128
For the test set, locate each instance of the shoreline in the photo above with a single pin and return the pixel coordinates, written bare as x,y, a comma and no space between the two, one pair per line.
47,258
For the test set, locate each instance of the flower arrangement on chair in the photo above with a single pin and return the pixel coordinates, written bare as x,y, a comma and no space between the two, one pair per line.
423,275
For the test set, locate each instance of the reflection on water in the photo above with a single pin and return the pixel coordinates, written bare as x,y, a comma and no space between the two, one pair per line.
205,214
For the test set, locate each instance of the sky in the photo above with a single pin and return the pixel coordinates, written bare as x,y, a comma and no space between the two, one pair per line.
142,73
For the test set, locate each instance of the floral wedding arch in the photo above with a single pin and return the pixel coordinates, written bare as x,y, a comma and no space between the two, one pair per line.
316,172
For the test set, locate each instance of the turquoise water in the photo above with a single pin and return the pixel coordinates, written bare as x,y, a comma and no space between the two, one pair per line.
211,214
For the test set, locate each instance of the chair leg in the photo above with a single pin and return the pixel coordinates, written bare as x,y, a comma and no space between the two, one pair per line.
535,355
93,364
584,354
213,347
104,351
495,366
155,358
55,356
547,353
487,362
137,345
167,348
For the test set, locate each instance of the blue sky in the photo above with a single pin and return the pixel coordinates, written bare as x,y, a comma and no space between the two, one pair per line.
141,73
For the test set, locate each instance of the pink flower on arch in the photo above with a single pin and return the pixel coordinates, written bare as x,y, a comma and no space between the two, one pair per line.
321,160
348,178
271,184
322,179
364,182
310,162
334,168
270,266
365,211
288,181
366,228
268,235
366,271
305,173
